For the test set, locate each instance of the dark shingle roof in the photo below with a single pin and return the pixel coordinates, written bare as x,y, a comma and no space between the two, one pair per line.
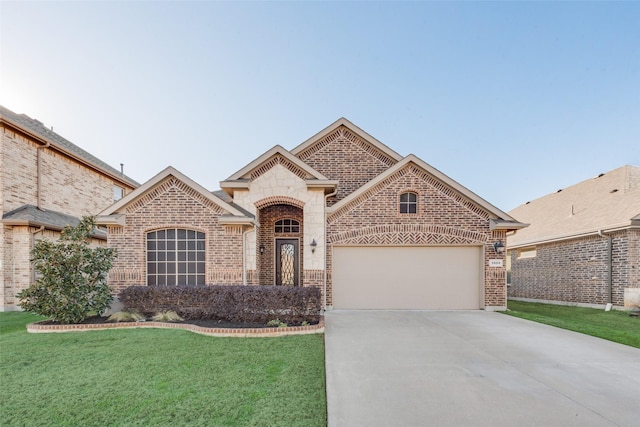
38,129
51,220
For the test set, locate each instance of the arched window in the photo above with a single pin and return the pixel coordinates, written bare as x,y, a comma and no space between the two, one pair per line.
408,203
175,256
287,226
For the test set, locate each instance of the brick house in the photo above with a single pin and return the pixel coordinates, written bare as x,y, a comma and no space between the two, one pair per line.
583,243
46,182
341,211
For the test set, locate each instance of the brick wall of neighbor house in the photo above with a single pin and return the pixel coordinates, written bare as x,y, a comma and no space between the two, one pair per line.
66,185
344,156
172,204
444,218
576,270
266,236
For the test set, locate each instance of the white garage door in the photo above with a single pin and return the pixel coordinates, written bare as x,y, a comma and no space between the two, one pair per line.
407,278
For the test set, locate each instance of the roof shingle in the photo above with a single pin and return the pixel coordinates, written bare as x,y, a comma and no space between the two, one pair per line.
605,202
52,220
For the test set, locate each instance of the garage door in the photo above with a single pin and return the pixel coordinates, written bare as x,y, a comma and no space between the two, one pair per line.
401,278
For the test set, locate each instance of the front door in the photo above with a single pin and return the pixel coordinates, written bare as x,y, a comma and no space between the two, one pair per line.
287,265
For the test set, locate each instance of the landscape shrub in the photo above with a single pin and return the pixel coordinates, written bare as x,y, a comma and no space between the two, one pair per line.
237,303
167,316
73,276
126,316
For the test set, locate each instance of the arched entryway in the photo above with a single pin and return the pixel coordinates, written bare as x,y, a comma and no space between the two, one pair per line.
280,245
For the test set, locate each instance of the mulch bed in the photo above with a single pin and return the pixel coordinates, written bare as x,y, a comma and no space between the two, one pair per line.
206,323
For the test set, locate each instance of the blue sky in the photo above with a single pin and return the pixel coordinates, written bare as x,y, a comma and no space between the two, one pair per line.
514,100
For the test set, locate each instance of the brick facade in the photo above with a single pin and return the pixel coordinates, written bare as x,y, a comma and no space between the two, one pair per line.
172,204
66,185
576,270
35,171
367,179
345,156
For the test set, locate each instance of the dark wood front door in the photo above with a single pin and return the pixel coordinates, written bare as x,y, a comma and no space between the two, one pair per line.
287,262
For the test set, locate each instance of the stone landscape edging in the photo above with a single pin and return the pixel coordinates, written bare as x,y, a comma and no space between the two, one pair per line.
41,327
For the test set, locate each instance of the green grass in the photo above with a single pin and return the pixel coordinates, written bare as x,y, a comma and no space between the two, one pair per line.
613,325
157,377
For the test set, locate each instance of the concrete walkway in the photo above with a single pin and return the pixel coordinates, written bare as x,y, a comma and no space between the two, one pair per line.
473,368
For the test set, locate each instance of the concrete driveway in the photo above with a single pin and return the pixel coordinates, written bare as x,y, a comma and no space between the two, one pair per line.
473,368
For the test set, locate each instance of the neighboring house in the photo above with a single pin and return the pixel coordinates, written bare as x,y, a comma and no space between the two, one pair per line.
46,182
583,244
342,211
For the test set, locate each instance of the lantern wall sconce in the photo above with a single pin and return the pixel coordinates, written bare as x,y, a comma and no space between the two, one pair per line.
261,249
498,247
313,245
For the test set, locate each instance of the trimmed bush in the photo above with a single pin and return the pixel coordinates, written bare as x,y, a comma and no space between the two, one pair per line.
238,304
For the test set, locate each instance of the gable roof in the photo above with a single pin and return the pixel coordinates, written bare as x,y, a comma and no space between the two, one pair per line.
242,178
38,131
355,129
501,219
245,172
113,210
605,202
33,216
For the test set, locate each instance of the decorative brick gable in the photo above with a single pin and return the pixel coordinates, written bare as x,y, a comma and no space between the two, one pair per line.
173,204
344,156
279,160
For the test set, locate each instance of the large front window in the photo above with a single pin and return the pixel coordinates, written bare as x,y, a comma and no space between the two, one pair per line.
175,256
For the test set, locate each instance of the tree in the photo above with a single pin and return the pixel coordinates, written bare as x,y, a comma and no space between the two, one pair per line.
73,276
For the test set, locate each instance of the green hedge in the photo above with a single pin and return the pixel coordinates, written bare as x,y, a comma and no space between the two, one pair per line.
240,304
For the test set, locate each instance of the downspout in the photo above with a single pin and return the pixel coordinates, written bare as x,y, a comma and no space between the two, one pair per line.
609,266
39,173
324,291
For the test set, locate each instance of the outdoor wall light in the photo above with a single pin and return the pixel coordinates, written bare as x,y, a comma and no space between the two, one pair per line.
313,245
498,247
261,249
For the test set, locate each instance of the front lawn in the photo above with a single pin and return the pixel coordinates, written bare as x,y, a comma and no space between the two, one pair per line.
613,325
157,377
